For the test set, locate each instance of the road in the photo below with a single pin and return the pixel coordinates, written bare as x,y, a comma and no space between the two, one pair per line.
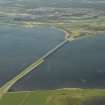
4,89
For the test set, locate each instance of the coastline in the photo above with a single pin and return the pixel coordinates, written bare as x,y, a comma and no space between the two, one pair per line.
66,34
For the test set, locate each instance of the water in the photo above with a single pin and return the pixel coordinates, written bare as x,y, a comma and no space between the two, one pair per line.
21,46
79,64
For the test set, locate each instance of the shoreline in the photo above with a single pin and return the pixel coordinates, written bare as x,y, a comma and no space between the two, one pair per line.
27,91
66,34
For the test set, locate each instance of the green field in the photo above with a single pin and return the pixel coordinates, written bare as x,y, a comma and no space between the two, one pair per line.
56,97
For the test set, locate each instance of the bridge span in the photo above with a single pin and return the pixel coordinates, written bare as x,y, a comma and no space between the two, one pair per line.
4,89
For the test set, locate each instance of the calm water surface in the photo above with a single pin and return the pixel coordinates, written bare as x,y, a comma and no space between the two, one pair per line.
80,63
21,46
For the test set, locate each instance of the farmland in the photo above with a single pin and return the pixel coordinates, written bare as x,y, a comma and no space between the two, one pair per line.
55,97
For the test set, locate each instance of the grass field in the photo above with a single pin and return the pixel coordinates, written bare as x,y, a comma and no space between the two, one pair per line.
56,97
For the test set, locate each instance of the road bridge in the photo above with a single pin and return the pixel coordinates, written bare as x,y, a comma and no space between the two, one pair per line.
4,89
